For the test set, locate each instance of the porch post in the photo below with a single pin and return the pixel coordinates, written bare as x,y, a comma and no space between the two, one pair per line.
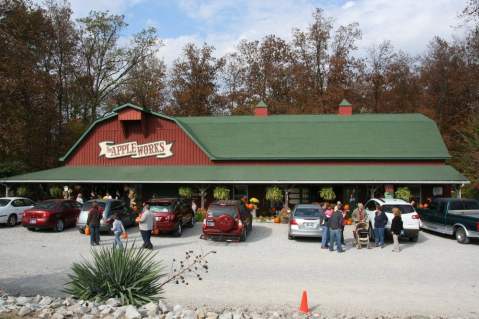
7,190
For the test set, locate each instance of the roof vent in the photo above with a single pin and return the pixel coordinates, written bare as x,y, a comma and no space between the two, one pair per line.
345,108
261,109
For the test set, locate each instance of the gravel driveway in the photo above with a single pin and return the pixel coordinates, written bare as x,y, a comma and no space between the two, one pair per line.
435,276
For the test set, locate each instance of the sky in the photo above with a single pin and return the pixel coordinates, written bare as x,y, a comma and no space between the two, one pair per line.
408,24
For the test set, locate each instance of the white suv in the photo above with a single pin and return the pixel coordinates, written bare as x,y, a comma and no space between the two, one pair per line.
11,209
410,217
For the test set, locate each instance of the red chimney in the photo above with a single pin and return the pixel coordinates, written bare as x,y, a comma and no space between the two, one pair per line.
345,108
261,109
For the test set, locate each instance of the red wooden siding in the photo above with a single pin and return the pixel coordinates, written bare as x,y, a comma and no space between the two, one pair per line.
185,151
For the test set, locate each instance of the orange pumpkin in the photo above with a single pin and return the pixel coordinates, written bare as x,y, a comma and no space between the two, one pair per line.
346,207
277,220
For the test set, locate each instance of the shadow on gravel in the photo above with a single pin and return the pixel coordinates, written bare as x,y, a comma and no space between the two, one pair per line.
50,284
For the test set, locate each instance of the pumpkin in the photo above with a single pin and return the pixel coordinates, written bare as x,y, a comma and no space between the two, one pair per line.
349,222
277,220
346,207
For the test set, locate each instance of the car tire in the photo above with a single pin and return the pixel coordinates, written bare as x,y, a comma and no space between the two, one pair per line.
179,230
290,237
413,238
461,236
192,221
31,229
12,220
81,230
243,235
59,226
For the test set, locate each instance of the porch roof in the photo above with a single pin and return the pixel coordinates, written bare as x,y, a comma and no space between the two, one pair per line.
248,174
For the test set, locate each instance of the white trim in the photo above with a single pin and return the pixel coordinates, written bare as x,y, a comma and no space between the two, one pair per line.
232,182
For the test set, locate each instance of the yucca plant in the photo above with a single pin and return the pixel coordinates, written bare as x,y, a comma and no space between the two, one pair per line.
274,193
403,193
327,193
221,193
132,275
55,192
185,192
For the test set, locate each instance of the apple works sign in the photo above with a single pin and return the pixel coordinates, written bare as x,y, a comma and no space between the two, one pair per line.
160,149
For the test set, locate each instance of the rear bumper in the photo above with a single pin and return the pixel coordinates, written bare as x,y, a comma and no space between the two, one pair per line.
40,223
472,234
162,227
306,233
216,233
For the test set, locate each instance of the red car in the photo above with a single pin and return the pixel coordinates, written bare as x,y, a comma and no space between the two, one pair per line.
171,215
53,214
227,220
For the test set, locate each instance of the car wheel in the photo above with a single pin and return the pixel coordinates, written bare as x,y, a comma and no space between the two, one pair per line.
192,221
461,236
59,226
413,238
81,230
31,229
179,230
243,235
12,220
290,237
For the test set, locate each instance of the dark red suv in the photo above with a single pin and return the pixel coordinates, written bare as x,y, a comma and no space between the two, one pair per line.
171,215
227,220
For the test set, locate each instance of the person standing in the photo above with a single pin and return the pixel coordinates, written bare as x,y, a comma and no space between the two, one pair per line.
117,229
79,198
93,221
380,222
335,223
396,228
324,221
146,226
194,207
359,216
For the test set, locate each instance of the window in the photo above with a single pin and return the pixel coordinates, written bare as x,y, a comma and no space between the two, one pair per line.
48,204
405,209
66,205
116,205
371,205
161,207
27,202
88,205
217,211
4,202
456,205
306,212
17,203
471,205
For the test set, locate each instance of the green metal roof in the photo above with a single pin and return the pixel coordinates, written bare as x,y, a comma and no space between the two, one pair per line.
322,137
307,137
307,174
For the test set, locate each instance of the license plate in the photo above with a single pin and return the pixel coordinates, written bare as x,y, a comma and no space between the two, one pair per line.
210,223
33,221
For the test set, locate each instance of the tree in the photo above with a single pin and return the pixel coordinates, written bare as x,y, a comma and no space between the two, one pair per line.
103,65
193,82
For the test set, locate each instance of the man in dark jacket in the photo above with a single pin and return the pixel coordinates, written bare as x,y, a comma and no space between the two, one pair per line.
380,222
93,221
335,224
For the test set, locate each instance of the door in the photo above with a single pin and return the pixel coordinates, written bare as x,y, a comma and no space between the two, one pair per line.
17,208
436,217
66,213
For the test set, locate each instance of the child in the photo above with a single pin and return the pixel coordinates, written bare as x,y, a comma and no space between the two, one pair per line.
117,229
396,228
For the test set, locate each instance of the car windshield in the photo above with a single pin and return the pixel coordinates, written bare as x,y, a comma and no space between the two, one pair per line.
216,211
161,207
4,202
88,205
405,209
48,204
306,212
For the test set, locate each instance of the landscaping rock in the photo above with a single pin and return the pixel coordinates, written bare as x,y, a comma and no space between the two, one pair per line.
201,313
131,312
23,300
25,310
211,315
105,310
88,317
150,309
118,312
177,309
226,315
114,302
162,307
46,301
37,299
188,314
57,315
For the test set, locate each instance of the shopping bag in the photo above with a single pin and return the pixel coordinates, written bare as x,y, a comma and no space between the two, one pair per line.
87,230
124,235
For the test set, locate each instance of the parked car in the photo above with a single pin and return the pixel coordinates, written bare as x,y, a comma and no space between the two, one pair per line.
409,216
56,214
304,222
452,216
12,208
171,215
227,220
107,208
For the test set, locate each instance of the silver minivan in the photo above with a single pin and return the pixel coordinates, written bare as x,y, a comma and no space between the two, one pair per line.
305,221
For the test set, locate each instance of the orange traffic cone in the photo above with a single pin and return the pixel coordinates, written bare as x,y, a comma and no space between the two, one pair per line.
304,303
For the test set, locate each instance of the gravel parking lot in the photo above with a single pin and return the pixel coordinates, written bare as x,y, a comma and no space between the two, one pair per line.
435,276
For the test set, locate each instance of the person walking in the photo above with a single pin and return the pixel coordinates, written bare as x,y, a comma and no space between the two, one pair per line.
146,226
325,214
93,221
335,223
396,228
118,229
380,222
